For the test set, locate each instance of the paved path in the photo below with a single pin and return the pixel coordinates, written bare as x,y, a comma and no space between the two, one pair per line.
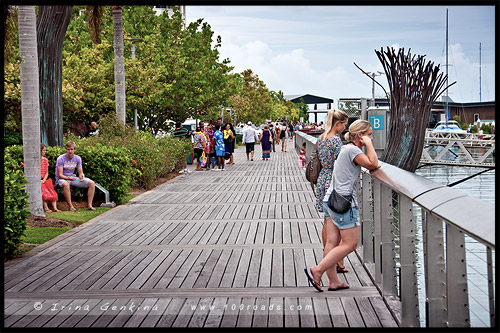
207,249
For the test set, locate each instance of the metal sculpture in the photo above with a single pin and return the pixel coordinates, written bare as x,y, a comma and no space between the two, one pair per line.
414,86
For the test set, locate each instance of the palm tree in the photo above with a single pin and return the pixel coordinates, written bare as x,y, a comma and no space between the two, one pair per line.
94,21
119,63
30,106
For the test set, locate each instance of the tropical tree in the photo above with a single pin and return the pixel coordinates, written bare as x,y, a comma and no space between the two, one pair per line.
51,28
10,27
30,106
252,99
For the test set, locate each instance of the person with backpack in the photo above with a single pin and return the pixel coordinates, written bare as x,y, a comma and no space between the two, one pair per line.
328,148
284,136
290,130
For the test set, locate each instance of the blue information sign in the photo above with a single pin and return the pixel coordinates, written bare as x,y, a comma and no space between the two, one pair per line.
377,122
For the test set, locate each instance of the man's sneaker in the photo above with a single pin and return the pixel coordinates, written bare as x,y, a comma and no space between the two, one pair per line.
187,171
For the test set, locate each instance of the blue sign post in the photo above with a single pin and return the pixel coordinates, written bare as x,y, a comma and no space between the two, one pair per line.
377,122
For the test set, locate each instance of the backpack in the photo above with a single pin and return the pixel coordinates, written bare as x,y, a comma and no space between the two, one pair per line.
313,168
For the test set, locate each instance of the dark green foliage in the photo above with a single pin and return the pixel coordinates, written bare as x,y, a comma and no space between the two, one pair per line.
153,158
15,204
486,128
12,135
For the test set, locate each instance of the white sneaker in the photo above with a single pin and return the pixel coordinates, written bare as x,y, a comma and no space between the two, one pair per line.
187,171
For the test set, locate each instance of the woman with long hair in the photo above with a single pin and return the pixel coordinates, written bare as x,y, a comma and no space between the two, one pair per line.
344,227
329,144
44,167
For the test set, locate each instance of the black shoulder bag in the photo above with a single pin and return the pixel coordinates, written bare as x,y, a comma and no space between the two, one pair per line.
339,203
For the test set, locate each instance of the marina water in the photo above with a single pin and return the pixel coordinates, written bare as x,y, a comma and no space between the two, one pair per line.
481,187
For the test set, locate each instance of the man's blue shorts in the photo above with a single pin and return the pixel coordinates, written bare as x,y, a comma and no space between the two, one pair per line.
76,182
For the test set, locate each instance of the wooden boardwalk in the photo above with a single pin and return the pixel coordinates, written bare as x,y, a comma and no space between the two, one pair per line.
207,249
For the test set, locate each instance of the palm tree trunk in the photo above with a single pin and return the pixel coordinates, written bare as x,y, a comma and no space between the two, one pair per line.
119,63
51,28
30,106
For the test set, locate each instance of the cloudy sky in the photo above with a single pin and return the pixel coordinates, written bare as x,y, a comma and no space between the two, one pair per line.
311,49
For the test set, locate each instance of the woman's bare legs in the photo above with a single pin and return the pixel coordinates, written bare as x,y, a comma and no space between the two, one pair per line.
349,243
332,241
323,238
54,206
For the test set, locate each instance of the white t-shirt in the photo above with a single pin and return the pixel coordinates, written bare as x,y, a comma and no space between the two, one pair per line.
284,129
345,173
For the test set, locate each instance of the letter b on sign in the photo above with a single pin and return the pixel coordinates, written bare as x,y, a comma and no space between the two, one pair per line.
377,122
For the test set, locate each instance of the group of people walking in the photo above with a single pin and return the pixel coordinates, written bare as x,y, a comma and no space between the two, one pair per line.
213,144
271,136
341,167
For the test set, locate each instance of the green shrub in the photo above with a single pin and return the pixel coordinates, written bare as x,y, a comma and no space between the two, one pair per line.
12,136
154,158
486,128
15,204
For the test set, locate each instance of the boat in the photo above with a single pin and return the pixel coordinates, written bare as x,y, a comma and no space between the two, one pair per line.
450,126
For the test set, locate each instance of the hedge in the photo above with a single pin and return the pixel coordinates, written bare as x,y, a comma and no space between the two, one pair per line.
15,205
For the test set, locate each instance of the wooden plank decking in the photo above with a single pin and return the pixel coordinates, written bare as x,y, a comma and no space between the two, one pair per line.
207,249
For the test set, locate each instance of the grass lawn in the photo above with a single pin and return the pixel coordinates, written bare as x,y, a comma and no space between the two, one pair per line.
80,215
42,235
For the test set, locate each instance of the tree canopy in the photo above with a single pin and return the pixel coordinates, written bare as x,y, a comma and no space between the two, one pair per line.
177,73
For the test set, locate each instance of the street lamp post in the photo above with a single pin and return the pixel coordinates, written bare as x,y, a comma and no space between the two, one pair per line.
378,73
132,49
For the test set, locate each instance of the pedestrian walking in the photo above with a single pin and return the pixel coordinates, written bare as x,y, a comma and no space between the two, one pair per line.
344,227
228,142
265,139
220,149
200,141
208,130
302,155
284,136
329,144
278,133
273,136
249,138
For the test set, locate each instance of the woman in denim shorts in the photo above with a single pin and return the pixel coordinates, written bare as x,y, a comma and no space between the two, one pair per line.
343,229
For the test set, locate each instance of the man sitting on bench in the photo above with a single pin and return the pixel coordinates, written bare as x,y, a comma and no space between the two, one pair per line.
65,177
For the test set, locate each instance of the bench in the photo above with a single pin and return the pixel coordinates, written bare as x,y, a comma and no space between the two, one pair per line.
107,203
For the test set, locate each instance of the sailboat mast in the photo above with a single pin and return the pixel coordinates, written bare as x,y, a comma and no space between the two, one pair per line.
480,72
446,111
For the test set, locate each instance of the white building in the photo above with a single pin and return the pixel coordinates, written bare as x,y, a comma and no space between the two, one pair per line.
182,9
